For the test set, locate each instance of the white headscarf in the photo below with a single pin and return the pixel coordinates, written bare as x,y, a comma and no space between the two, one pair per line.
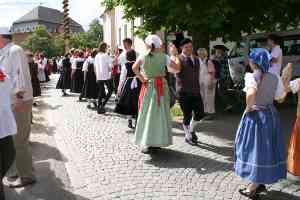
153,40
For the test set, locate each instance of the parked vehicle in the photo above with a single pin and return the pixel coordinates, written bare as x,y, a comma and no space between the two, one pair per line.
290,44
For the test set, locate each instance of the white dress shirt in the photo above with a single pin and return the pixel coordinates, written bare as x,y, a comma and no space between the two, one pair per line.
7,120
75,61
15,65
87,62
103,66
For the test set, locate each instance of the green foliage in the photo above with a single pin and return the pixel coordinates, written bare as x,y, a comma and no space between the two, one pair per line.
53,45
40,41
59,45
212,18
89,39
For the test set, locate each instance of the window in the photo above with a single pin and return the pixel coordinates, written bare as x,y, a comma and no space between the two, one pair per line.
291,47
258,43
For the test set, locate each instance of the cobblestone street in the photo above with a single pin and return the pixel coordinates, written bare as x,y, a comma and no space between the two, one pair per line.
104,164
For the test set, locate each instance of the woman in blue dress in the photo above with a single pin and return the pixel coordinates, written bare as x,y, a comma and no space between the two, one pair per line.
260,153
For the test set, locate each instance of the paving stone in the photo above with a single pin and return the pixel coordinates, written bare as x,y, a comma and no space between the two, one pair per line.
101,148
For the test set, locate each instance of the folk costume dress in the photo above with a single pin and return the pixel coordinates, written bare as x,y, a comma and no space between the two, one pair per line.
41,70
36,88
260,154
64,81
128,100
294,146
77,76
90,88
154,121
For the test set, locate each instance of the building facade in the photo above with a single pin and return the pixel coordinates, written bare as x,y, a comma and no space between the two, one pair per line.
116,29
51,19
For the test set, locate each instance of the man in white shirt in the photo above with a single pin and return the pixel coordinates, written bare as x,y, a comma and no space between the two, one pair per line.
103,66
273,43
15,65
8,128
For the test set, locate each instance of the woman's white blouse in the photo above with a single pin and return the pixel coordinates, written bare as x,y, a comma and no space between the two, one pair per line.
251,81
7,120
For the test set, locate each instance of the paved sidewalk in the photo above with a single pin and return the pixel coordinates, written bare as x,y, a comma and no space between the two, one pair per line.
53,181
103,163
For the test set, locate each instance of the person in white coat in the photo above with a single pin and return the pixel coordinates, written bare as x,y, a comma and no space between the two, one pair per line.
8,128
15,64
207,82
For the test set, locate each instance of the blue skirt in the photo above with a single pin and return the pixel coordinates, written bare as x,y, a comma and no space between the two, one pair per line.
260,153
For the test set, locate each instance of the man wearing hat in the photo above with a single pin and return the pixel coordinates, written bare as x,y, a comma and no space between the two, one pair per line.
14,62
223,75
188,91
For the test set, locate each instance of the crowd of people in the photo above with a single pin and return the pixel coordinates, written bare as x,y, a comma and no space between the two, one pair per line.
146,87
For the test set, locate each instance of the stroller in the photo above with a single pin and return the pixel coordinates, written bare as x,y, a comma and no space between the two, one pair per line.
237,69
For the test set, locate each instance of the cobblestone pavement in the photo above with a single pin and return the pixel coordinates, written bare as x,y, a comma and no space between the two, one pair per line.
103,163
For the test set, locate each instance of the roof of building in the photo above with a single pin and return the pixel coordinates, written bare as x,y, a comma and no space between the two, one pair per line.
45,14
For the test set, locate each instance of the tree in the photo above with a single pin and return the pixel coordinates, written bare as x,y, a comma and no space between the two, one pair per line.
89,39
40,41
95,33
208,19
59,45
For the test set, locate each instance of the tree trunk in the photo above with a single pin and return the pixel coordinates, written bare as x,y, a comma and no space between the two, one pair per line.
200,40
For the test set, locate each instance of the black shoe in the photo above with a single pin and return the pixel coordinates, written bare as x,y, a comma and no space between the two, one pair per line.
261,188
146,150
34,104
190,142
130,125
150,150
101,111
89,107
251,195
194,137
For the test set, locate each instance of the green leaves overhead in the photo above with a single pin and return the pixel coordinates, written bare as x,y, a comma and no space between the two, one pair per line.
226,18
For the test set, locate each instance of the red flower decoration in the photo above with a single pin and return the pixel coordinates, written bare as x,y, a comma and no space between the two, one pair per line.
2,75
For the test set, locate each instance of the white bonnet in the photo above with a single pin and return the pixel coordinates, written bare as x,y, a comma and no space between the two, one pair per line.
153,39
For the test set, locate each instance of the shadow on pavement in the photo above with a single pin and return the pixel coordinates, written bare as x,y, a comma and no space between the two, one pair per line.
167,158
277,195
43,151
224,151
48,187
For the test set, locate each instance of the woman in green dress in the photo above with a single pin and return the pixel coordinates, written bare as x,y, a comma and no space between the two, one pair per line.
153,128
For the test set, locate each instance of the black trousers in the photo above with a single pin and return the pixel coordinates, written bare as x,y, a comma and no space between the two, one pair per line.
7,157
191,104
103,97
116,81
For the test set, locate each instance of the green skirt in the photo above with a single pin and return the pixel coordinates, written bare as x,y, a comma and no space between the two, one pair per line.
154,126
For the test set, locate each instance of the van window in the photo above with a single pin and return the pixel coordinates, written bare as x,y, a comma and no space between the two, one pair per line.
291,47
259,43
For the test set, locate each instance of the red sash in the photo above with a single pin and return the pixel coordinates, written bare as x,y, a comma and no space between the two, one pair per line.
159,87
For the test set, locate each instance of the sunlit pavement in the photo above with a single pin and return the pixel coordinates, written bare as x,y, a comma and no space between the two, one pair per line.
103,163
